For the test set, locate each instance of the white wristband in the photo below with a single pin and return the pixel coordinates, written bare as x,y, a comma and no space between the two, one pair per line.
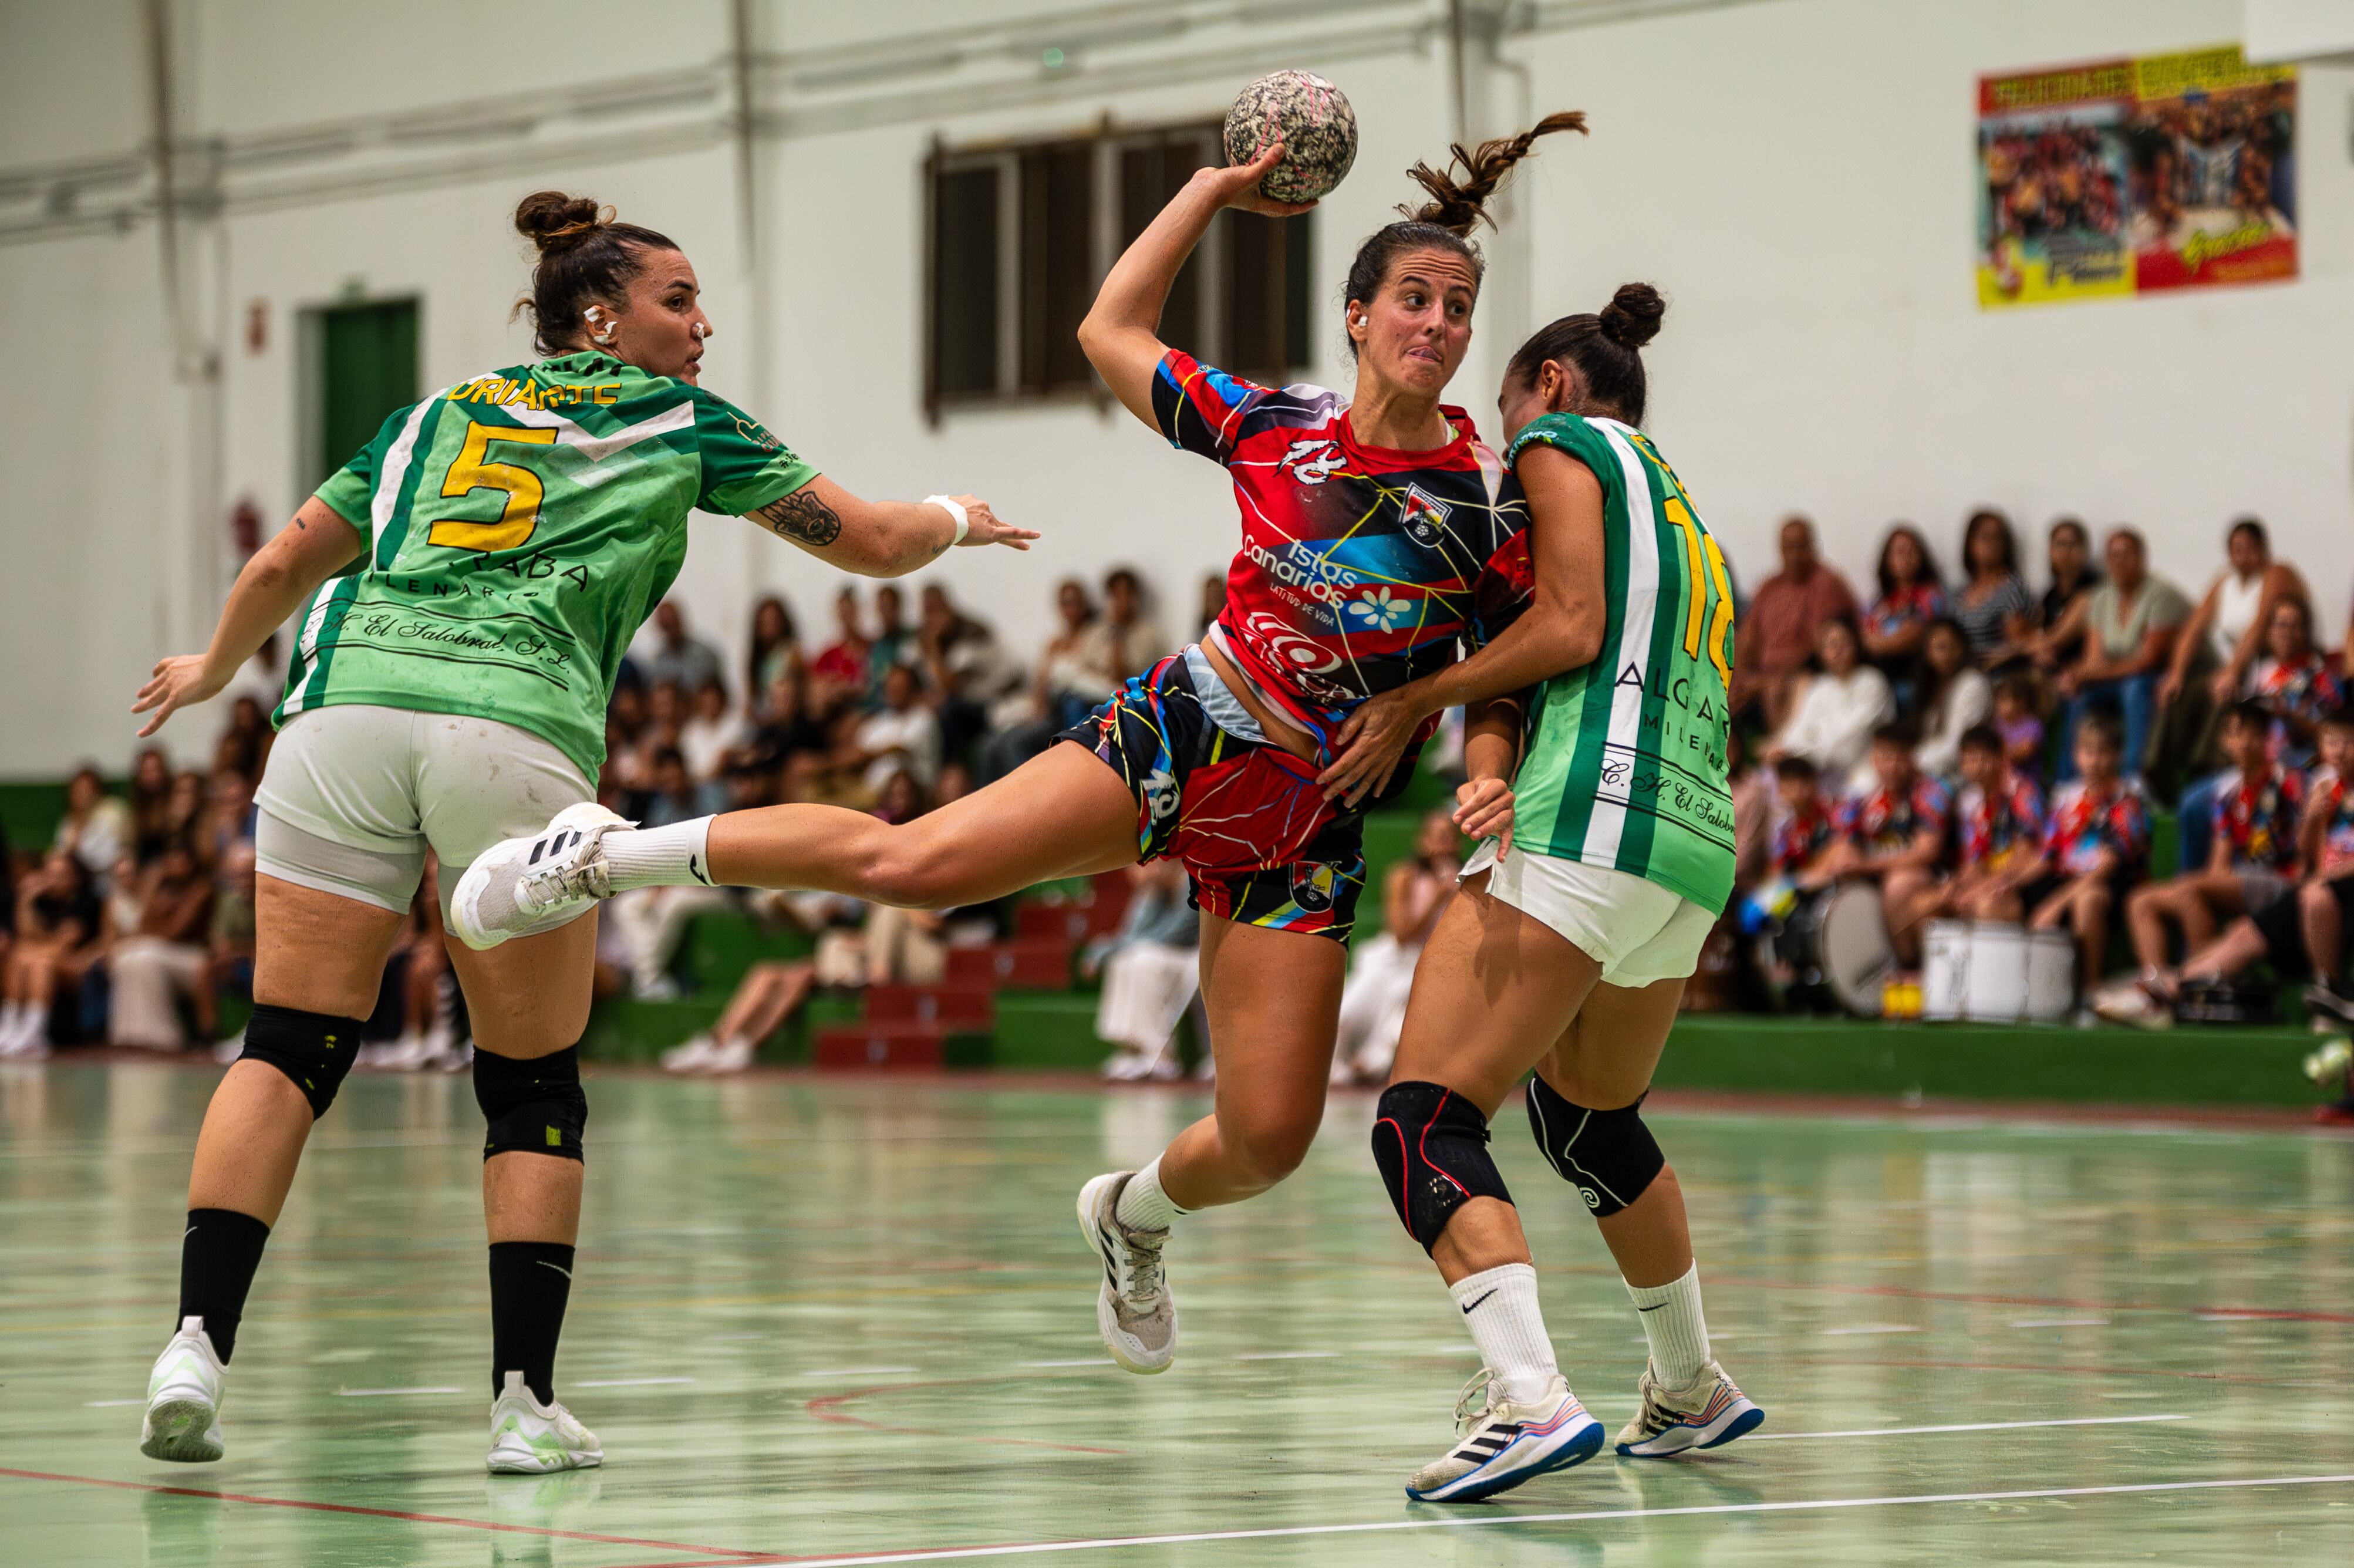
963,523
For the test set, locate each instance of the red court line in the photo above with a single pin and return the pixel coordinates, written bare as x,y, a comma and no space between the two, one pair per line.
707,1552
2277,1314
825,1407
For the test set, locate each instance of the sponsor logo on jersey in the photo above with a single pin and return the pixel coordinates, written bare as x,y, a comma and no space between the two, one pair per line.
1311,886
1289,650
1314,459
1425,517
1302,567
752,431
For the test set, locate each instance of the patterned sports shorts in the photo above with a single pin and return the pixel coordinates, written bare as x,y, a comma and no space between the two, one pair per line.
1246,819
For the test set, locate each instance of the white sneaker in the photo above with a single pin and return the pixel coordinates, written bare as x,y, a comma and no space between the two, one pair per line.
528,1438
514,885
1505,1442
1135,1313
184,1399
1126,1064
729,1056
2137,1002
691,1058
1709,1414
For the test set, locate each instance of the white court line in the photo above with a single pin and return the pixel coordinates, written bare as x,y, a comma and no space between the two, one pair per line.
105,1404
2058,1322
1965,1426
626,1382
1459,1521
855,1371
376,1393
1288,1356
1075,1361
1877,1328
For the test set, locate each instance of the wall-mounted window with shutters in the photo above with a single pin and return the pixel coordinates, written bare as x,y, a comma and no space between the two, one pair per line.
1021,234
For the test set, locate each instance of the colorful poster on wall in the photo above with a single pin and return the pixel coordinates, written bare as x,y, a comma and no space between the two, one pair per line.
2134,175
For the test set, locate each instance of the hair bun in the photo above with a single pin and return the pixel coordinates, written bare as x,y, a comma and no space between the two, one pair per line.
1631,319
553,220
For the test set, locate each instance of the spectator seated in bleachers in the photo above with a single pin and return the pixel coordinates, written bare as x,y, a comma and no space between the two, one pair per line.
2215,657
1998,822
1953,695
2294,686
2056,639
967,670
96,829
1896,622
165,957
60,923
707,740
1071,675
1152,969
1992,606
774,652
2253,861
2301,932
1414,893
2095,850
1837,708
679,658
903,736
1777,636
2129,626
2020,726
1891,834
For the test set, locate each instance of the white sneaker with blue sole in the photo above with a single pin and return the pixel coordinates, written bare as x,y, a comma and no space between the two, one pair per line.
1709,1414
1507,1442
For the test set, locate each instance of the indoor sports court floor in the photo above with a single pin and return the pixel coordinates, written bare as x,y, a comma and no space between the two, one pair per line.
850,1320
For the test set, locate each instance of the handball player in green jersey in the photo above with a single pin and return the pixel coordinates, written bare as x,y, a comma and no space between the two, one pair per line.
1607,861
466,586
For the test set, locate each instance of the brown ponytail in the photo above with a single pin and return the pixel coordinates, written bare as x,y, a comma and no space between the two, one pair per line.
1458,202
585,259
1606,347
1456,207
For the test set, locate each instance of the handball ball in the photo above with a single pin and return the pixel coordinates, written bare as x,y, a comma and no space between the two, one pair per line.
1313,121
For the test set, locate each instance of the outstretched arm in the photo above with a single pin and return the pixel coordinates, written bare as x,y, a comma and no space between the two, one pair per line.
283,573
1561,629
881,538
1121,334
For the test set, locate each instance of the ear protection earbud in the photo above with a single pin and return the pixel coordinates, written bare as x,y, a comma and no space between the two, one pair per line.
604,333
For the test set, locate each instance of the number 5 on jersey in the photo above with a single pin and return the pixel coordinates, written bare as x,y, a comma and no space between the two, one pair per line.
473,470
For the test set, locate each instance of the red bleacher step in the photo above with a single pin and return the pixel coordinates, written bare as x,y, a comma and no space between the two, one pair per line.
1026,963
903,1045
960,1006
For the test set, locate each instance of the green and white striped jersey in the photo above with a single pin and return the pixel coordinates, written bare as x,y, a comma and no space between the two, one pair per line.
520,527
1625,757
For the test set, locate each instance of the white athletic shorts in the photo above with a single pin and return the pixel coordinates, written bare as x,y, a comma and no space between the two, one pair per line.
354,794
1636,930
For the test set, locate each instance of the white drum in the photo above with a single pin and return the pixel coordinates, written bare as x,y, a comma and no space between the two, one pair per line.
2050,975
1998,973
1944,968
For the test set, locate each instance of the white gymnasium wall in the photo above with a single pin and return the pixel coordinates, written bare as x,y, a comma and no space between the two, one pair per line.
1796,173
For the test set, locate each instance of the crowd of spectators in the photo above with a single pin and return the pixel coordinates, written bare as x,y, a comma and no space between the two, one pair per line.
1974,746
1972,750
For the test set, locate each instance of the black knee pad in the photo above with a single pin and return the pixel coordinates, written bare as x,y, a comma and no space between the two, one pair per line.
313,1049
1432,1146
1609,1155
533,1108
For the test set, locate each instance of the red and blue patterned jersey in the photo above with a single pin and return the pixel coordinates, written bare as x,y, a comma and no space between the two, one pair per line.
1800,836
2306,689
1882,820
2000,825
2085,822
1892,612
1360,566
2258,818
2331,797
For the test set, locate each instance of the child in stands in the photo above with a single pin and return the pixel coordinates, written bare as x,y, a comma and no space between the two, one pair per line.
1999,823
2253,861
1894,834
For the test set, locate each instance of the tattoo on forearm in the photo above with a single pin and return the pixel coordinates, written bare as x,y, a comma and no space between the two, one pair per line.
802,518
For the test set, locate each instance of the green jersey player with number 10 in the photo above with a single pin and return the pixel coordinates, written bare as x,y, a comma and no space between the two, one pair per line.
467,586
1607,862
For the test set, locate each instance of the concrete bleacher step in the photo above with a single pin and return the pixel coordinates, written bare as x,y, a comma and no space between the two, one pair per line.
1026,963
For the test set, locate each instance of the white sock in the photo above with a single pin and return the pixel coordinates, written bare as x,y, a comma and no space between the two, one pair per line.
1673,1324
674,856
1143,1206
1500,1306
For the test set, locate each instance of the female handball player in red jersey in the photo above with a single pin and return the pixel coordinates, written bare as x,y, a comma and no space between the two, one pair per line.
1378,533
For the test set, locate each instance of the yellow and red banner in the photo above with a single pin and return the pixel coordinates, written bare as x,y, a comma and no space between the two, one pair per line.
2129,177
